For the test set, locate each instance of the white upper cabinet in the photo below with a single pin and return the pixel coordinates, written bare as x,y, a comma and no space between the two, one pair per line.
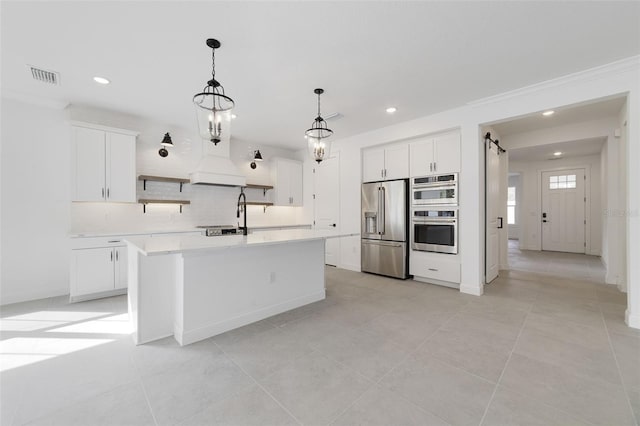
386,163
446,153
104,165
435,155
286,176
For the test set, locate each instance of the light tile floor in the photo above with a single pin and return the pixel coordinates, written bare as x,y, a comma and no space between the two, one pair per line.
535,349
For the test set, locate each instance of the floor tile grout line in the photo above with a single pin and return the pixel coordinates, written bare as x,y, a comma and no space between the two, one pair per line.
515,344
378,382
260,384
615,357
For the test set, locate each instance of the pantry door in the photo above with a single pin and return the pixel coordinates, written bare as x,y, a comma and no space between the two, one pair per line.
563,210
327,203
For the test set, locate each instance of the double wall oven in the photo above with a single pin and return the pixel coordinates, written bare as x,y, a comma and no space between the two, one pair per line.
434,213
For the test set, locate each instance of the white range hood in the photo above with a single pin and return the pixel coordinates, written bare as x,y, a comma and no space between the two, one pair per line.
217,170
215,167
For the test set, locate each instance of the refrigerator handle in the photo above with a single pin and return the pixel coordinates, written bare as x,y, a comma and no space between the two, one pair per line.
382,206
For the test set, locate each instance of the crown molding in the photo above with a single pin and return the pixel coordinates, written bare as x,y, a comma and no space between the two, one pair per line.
612,68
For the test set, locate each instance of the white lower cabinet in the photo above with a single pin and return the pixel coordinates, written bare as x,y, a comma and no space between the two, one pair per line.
435,267
99,270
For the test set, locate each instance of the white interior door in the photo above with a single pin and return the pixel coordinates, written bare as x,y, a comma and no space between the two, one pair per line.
493,222
563,211
327,203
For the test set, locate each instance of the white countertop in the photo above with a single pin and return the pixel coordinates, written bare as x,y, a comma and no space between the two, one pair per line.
170,244
168,231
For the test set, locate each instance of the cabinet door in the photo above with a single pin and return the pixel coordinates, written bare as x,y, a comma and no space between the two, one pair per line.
120,271
281,186
92,270
121,168
295,183
447,153
421,158
396,162
88,148
372,165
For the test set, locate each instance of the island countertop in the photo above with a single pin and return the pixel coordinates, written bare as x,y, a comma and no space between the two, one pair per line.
171,244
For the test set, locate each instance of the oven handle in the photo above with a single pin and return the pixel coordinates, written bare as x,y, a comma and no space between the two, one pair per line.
434,222
448,184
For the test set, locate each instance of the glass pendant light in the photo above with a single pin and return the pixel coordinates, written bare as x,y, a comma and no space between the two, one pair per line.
213,106
319,147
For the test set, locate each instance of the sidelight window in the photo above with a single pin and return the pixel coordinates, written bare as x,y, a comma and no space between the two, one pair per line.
511,205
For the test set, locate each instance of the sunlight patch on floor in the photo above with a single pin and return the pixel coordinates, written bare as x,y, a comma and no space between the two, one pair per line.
21,351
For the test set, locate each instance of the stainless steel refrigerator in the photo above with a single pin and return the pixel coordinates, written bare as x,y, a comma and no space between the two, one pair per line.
384,228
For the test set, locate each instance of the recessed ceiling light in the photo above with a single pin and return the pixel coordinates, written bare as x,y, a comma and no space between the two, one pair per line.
391,110
548,113
557,153
101,80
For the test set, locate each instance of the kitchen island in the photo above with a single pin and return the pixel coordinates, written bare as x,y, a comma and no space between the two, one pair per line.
195,287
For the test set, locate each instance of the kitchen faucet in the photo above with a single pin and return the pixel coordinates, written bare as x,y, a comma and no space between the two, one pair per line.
244,211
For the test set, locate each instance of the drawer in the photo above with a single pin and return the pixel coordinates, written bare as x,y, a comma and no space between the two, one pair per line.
94,242
437,269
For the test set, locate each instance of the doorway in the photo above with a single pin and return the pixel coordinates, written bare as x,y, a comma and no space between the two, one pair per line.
326,178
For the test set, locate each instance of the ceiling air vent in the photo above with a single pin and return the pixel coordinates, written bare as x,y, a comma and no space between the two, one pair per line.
50,77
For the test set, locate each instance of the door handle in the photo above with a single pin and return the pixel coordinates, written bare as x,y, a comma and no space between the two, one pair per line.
500,226
381,203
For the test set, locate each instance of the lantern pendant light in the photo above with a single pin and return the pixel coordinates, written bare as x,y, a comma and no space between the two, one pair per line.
319,147
212,104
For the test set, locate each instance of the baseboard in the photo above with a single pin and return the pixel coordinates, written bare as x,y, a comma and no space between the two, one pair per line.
437,282
186,337
27,297
475,291
632,321
350,267
93,296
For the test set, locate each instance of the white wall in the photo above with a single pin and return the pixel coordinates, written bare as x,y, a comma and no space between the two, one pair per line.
38,216
530,231
613,79
614,227
35,202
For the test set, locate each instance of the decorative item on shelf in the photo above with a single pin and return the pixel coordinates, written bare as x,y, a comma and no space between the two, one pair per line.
319,148
212,104
256,157
166,142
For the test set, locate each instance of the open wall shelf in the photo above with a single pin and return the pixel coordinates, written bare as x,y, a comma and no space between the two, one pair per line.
145,201
145,178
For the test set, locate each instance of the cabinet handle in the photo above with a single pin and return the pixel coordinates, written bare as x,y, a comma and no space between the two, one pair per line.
435,166
432,269
102,192
112,255
116,255
430,167
107,192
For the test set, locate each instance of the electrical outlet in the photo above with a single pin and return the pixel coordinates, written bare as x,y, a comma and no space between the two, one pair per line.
272,277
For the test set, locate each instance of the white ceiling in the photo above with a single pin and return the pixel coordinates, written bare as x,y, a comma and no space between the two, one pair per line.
422,57
561,117
577,148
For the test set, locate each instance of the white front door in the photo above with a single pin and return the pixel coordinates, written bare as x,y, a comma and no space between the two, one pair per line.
327,203
493,222
563,211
